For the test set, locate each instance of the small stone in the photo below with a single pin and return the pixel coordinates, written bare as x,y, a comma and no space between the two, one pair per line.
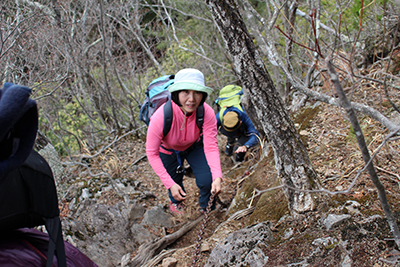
169,262
334,219
288,233
205,247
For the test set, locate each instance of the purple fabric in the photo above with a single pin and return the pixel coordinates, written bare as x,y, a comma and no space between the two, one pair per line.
16,250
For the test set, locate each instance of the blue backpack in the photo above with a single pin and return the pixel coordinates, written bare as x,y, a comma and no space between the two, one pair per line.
157,94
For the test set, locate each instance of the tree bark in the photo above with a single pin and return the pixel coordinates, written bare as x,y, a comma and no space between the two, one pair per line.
291,158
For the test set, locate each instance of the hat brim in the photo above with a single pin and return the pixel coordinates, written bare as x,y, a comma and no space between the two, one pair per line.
231,129
178,86
223,131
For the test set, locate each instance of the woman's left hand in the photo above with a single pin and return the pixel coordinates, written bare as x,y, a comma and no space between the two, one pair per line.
241,149
216,186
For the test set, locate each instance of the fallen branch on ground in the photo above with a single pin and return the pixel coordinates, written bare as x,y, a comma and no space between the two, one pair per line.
149,250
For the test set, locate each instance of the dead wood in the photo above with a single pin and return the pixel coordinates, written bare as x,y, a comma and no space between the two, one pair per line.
156,260
149,250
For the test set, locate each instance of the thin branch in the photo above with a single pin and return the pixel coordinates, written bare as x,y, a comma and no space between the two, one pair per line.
326,28
299,44
116,139
185,48
54,90
387,70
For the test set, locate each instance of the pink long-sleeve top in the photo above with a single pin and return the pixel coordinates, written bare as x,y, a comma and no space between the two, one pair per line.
181,139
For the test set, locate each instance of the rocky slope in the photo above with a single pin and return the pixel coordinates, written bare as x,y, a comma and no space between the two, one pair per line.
113,203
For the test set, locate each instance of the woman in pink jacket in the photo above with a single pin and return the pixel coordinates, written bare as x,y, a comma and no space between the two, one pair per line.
186,141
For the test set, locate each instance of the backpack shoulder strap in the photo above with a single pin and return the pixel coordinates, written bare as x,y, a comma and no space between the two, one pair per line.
200,117
56,242
168,115
221,114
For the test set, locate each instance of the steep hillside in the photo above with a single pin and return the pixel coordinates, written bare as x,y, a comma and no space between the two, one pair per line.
362,238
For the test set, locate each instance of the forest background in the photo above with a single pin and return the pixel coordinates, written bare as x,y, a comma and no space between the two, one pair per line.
89,62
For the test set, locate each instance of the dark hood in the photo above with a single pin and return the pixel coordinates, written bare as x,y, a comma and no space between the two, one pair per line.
18,126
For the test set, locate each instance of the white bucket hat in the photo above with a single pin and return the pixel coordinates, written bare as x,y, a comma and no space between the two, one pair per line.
189,79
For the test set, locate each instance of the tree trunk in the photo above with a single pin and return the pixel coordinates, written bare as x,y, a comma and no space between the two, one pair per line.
291,158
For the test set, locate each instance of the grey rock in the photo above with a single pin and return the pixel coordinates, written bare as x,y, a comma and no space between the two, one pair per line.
158,217
136,213
85,194
101,232
242,248
288,233
51,156
256,258
347,262
334,219
141,235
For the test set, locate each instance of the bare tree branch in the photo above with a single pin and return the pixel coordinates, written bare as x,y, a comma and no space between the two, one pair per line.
326,28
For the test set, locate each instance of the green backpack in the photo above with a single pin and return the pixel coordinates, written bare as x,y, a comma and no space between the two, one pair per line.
229,96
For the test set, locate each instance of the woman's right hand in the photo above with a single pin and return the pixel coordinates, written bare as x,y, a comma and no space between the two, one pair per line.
177,192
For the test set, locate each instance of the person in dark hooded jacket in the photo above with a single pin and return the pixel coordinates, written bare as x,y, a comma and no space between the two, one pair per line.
239,130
